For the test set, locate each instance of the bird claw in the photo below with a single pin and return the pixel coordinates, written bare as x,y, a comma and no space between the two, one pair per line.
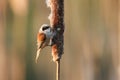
50,43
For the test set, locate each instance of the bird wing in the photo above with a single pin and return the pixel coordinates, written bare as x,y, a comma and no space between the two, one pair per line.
40,39
40,44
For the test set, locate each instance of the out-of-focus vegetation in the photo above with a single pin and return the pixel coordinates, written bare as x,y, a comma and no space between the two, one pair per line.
91,40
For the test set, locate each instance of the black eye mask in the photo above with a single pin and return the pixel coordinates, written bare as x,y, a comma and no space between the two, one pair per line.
46,27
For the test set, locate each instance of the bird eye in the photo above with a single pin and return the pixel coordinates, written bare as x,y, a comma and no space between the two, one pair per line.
46,27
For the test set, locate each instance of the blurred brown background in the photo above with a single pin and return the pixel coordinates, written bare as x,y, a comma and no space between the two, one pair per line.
92,40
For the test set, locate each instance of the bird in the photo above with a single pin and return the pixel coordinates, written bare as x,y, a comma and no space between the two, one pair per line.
44,38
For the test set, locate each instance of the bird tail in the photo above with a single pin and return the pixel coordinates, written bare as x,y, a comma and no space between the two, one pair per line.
37,55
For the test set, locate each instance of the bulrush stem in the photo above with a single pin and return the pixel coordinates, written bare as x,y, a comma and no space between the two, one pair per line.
56,18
